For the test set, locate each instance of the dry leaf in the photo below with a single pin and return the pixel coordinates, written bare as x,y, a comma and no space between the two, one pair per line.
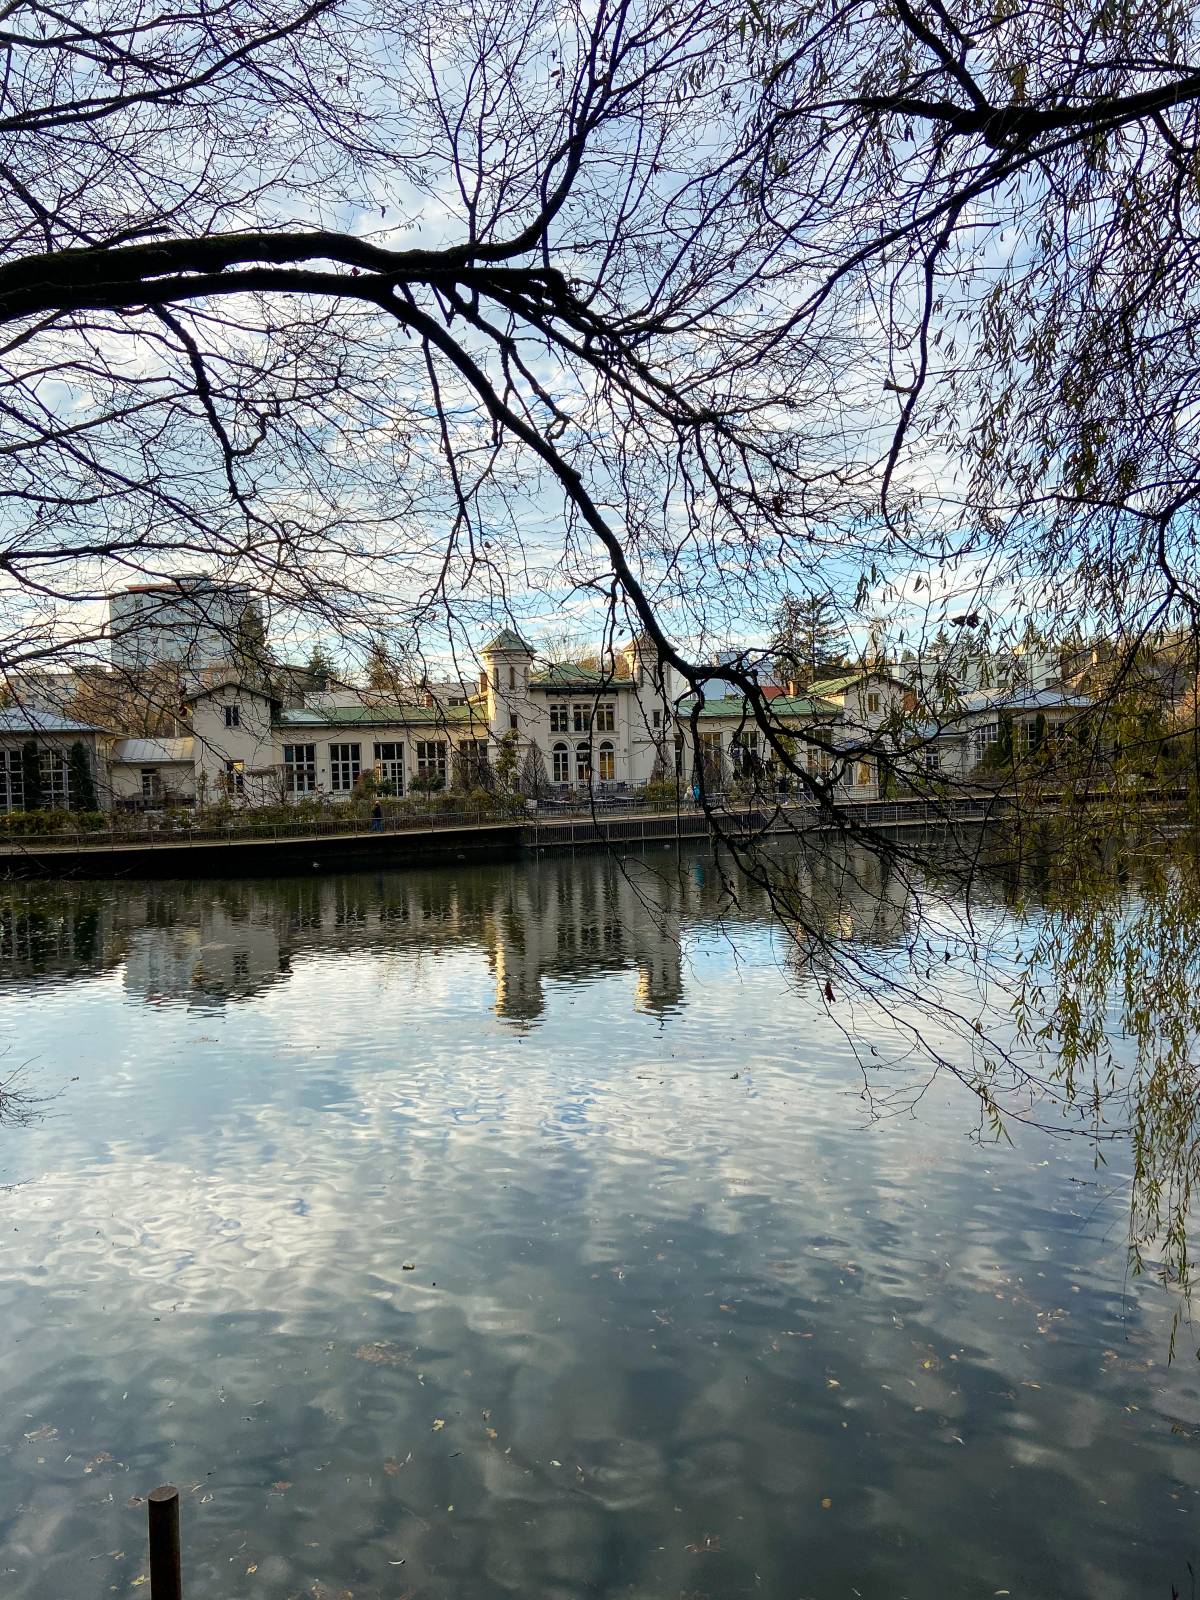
438,1425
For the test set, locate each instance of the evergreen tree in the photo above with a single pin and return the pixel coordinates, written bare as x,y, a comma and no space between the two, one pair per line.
808,638
319,666
31,775
79,771
382,674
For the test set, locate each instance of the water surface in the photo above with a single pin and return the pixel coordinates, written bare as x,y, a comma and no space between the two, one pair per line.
523,1231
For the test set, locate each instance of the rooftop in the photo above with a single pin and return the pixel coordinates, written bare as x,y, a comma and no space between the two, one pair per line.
507,640
145,752
16,720
379,716
734,708
572,674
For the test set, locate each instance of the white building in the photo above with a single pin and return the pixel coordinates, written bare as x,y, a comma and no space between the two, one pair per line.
193,621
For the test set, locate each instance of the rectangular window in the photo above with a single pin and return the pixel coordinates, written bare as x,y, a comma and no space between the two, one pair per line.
55,789
235,777
233,716
471,764
12,781
713,758
345,767
933,759
558,719
512,722
581,718
606,764
151,786
389,764
606,717
656,719
873,705
431,762
560,758
299,768
819,762
862,776
986,736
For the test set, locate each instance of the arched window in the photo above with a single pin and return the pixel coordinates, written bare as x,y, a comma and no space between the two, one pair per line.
512,677
583,763
606,767
561,759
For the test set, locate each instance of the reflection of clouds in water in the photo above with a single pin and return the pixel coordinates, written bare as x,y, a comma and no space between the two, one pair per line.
689,1290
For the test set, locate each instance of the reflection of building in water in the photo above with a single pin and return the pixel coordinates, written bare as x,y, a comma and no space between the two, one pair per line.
564,919
224,958
582,918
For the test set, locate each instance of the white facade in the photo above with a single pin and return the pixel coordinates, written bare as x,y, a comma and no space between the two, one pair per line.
192,621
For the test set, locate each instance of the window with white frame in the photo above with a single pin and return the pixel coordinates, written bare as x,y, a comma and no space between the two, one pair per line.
580,715
299,768
713,757
345,767
56,790
389,764
873,704
560,763
583,763
933,759
235,777
151,786
606,763
472,763
606,717
431,762
656,718
559,719
818,762
233,716
12,781
986,735
862,775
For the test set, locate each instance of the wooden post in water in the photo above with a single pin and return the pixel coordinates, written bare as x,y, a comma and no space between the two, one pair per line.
166,1581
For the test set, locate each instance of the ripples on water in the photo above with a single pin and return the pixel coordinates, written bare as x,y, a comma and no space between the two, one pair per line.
679,1321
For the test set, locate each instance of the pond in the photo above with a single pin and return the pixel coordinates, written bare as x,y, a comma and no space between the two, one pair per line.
524,1231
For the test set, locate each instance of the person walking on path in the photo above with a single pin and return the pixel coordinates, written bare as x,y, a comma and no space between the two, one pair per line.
377,818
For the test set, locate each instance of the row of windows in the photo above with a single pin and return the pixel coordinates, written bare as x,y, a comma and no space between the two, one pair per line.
605,766
53,780
345,763
578,718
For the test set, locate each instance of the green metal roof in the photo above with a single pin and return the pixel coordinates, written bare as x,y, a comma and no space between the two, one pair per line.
734,708
571,675
507,641
842,681
838,684
392,716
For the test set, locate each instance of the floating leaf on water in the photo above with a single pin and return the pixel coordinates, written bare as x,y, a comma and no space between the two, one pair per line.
282,1486
826,1503
383,1353
46,1432
704,1546
408,1266
391,1466
253,1567
438,1424
491,1433
104,1457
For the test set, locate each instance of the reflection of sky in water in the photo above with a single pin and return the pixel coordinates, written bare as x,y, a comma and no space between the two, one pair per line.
663,1313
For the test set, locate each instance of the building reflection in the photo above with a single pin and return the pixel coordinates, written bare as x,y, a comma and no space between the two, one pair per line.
560,919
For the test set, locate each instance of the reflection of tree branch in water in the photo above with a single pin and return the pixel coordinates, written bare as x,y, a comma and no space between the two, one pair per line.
19,1106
